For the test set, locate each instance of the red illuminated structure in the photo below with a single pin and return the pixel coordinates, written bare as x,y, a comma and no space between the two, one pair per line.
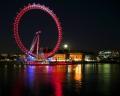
17,24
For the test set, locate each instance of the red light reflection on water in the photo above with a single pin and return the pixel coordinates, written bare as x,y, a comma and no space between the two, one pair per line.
57,78
34,77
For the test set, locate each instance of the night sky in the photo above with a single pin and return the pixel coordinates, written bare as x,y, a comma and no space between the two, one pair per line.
88,25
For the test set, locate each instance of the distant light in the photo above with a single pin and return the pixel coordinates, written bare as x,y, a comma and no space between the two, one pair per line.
65,46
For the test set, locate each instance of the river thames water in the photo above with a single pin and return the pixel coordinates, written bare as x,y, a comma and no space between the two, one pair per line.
60,80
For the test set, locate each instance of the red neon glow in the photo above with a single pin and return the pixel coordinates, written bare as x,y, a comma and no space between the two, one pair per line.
16,27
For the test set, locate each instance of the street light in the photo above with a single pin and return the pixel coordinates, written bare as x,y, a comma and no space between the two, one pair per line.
66,50
65,46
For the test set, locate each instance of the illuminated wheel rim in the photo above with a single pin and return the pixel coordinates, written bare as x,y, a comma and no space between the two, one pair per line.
16,28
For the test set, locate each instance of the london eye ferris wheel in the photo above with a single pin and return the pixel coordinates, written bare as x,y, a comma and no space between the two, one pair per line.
35,42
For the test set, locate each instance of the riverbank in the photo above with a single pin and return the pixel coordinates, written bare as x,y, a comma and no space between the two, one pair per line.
12,63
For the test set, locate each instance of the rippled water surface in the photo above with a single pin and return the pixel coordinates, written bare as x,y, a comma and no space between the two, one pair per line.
60,80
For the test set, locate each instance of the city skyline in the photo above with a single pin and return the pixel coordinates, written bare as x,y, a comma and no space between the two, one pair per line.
86,25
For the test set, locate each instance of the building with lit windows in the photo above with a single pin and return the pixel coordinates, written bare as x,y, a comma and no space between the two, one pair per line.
90,57
58,57
76,56
70,56
108,55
